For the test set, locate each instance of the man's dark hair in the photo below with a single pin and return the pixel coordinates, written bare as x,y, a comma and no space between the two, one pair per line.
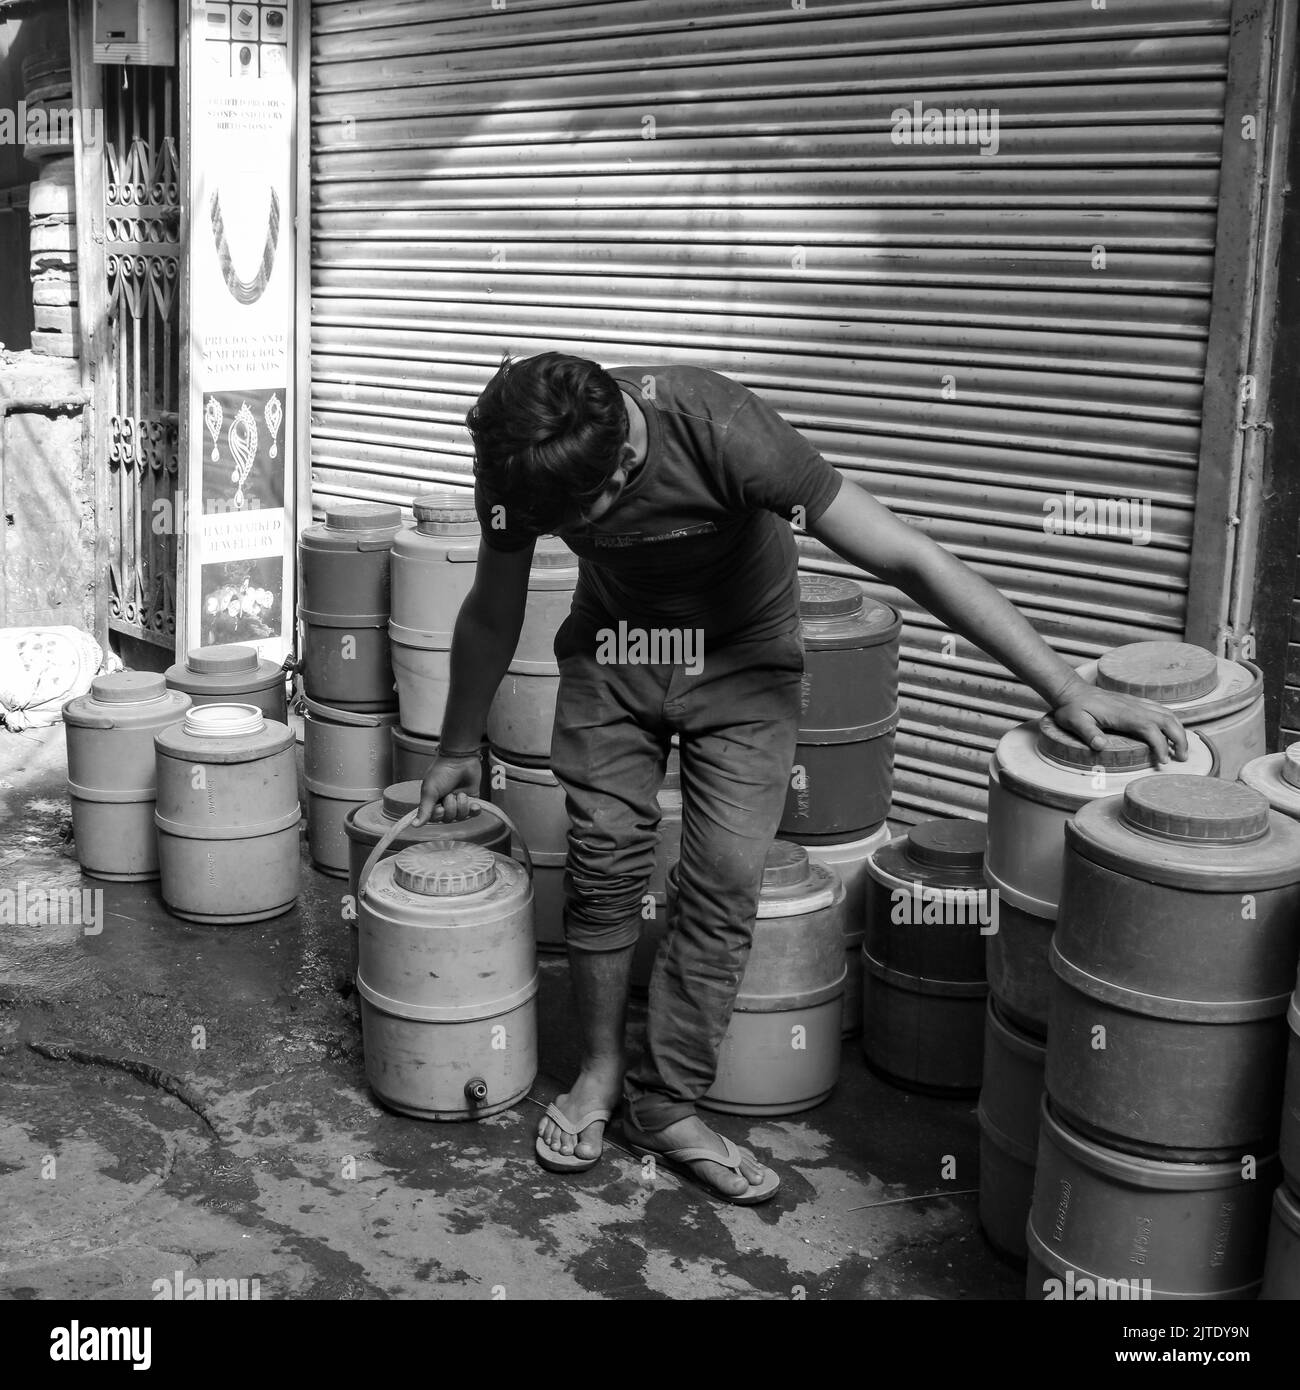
548,434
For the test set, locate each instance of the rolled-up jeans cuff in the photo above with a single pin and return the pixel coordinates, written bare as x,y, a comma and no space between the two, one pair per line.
581,936
652,1113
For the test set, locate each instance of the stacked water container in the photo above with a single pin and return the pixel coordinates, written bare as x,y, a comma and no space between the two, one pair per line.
434,564
1174,959
1039,777
1221,699
519,735
1277,777
347,670
842,780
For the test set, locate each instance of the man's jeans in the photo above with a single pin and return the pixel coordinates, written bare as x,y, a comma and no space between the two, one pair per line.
737,720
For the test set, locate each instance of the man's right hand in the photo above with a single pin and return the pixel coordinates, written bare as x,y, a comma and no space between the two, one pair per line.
447,787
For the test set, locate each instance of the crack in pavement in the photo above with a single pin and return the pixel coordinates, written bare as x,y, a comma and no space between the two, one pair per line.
143,1071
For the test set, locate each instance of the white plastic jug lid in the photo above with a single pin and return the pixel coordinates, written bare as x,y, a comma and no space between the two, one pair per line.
224,721
1291,764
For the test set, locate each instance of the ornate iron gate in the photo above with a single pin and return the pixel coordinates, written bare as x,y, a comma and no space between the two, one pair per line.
142,195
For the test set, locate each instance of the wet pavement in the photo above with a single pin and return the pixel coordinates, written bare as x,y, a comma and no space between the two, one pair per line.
182,1102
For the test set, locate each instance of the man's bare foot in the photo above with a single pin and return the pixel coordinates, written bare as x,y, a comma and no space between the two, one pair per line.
598,1087
693,1133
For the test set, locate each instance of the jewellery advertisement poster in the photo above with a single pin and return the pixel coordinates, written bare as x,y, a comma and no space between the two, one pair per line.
240,541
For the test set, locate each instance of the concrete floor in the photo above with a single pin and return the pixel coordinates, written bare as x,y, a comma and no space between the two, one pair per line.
127,1156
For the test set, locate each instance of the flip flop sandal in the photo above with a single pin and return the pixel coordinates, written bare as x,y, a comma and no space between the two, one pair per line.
556,1162
679,1160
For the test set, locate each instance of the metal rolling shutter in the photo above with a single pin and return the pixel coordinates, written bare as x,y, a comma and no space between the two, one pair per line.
484,179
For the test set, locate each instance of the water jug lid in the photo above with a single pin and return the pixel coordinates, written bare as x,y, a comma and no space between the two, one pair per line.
444,869
786,864
362,516
444,506
826,596
1291,764
1167,672
400,798
947,844
221,661
1204,810
224,721
128,687
1119,755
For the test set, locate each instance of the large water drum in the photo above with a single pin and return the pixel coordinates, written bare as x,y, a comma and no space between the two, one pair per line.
924,988
533,798
1175,954
1222,700
112,778
227,815
367,825
345,606
844,764
1019,972
1276,776
1011,1097
232,674
447,976
347,760
781,1051
434,563
1282,1262
1039,777
412,755
1194,1230
849,860
523,713
1289,1146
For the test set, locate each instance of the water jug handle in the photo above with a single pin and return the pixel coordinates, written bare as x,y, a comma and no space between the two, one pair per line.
377,853
338,716
389,836
509,825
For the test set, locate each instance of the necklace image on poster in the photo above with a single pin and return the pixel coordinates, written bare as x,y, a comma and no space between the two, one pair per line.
248,234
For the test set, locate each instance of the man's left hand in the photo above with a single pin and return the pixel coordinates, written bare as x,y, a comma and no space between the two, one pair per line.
1090,713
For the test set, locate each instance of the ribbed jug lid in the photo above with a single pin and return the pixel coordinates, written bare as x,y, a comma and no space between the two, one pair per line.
362,516
440,869
229,660
825,596
400,798
128,687
1167,672
786,864
224,721
444,506
1204,810
1291,764
947,844
1119,755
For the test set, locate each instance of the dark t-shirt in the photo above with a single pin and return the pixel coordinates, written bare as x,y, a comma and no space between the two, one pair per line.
697,539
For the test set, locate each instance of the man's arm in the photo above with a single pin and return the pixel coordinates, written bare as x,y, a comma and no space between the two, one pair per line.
482,645
866,533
